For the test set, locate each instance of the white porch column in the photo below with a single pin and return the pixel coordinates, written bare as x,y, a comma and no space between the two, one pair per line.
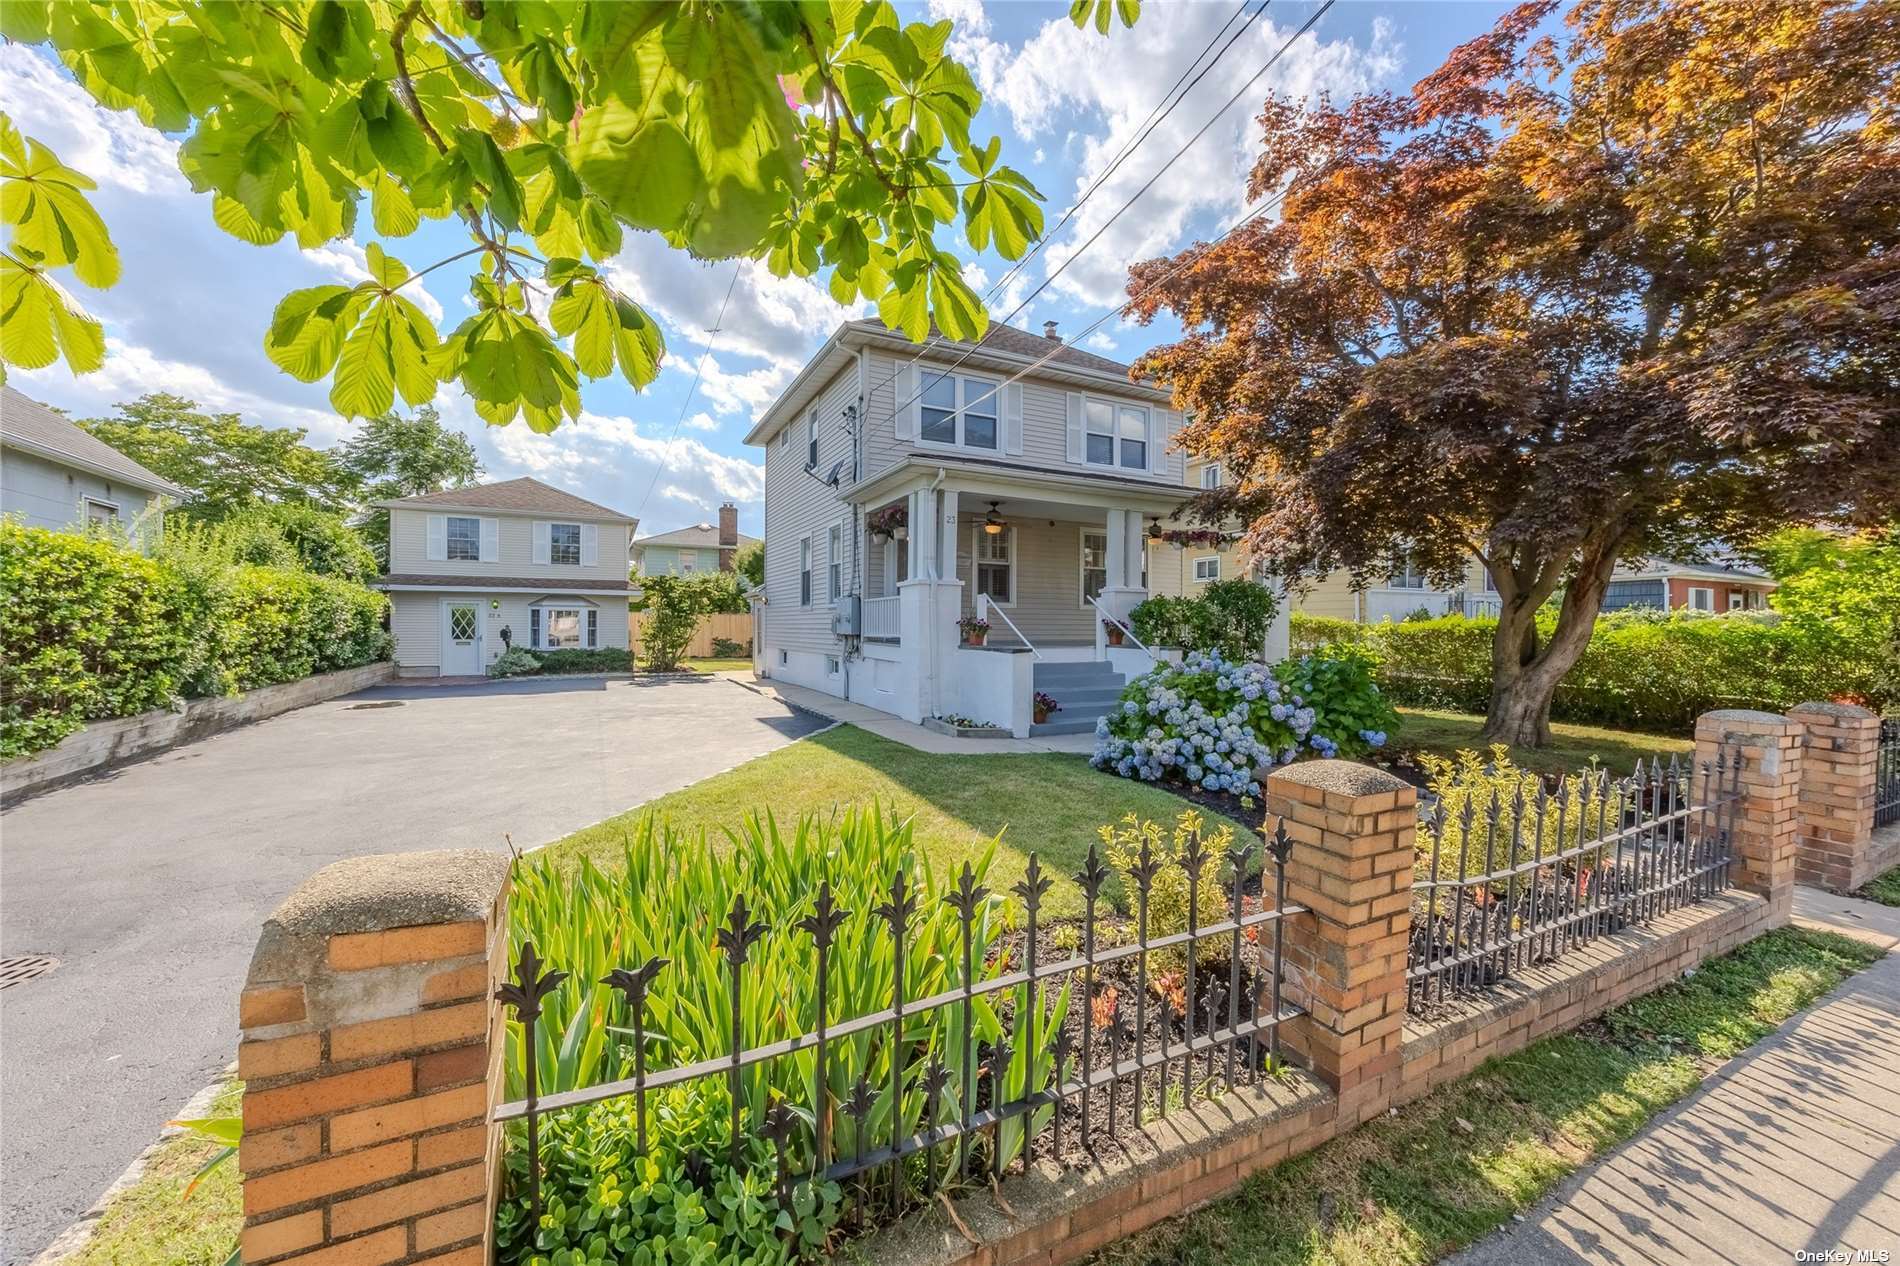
1117,533
947,535
1124,589
1133,551
1280,632
923,535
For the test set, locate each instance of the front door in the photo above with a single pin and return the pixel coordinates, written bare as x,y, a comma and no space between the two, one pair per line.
461,639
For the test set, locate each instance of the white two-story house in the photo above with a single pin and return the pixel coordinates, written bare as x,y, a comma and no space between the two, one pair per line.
908,487
465,565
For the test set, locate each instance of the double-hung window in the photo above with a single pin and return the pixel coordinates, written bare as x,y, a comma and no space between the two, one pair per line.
1094,565
1211,475
961,411
1701,599
804,572
465,539
1115,435
994,567
564,544
1207,569
1406,577
834,563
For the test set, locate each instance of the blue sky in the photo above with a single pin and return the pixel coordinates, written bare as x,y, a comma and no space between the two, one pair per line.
190,313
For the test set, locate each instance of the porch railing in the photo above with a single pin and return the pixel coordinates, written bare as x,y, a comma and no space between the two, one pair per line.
900,1102
985,609
1510,878
1887,774
884,619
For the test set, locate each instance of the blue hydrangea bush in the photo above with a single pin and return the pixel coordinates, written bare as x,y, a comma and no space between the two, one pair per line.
1214,722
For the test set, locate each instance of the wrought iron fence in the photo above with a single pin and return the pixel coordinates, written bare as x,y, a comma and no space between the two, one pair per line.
1506,879
1887,774
978,1112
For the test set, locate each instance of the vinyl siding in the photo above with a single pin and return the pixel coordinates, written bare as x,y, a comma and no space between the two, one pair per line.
409,548
667,560
797,505
1045,424
416,620
45,494
1048,603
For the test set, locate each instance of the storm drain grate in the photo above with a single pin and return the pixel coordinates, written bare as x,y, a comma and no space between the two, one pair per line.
14,971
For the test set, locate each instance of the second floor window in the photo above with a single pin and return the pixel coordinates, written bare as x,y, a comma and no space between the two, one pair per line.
564,544
465,539
1115,435
1211,476
958,410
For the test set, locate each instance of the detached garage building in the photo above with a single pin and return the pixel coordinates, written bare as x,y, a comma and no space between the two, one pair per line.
545,565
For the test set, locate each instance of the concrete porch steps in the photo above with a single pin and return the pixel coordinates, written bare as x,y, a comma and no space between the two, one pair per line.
1086,689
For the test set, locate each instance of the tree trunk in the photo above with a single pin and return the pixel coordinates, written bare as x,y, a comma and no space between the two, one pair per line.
1524,676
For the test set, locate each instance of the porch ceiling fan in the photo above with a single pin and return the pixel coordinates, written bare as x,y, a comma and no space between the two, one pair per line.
993,522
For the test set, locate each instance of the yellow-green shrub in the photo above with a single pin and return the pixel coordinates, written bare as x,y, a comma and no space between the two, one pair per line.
1461,838
1168,890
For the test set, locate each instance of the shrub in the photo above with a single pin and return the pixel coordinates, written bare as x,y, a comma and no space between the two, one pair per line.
1214,722
1229,616
1462,837
516,661
91,629
1641,670
600,659
662,901
726,648
1168,891
674,605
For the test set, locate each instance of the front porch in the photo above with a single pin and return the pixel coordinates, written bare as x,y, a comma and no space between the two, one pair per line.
1045,562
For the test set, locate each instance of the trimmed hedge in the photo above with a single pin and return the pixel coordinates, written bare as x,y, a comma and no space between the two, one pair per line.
90,629
1642,670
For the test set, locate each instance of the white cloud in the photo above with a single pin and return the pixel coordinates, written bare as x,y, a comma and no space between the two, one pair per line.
739,391
967,14
1062,74
1101,342
111,146
702,422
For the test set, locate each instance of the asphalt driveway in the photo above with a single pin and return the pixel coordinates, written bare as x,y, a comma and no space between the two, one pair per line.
149,884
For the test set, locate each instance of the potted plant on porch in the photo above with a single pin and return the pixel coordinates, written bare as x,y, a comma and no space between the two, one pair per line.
1113,632
1044,705
889,523
974,628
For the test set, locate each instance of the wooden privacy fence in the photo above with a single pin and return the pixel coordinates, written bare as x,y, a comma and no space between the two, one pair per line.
736,627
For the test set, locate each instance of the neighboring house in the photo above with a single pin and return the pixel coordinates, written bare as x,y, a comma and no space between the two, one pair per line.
55,475
465,564
692,550
901,496
1185,570
1671,586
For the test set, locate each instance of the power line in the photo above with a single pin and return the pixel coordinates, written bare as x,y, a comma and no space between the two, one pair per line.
1156,115
1096,236
712,336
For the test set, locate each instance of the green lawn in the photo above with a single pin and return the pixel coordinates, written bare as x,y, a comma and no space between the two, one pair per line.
150,1223
1443,733
1449,1168
717,665
1049,803
1882,888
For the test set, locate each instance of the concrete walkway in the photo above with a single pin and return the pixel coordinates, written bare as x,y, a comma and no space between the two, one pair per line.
884,725
1793,1147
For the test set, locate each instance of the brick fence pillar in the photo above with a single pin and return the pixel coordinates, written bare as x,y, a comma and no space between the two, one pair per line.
1766,822
1836,807
371,1056
1351,865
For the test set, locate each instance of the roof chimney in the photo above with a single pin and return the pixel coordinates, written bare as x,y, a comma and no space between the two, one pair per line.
728,524
1049,331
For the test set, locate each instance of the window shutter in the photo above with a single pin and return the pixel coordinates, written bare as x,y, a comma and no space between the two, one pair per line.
540,542
491,540
1075,427
902,385
1013,418
593,628
534,628
438,545
1162,424
590,544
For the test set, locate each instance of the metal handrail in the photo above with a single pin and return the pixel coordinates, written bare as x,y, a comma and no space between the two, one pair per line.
1124,627
983,608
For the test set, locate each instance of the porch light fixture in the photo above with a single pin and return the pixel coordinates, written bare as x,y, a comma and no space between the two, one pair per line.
992,522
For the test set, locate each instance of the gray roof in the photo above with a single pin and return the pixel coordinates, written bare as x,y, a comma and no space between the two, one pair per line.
523,496
421,580
700,535
30,426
